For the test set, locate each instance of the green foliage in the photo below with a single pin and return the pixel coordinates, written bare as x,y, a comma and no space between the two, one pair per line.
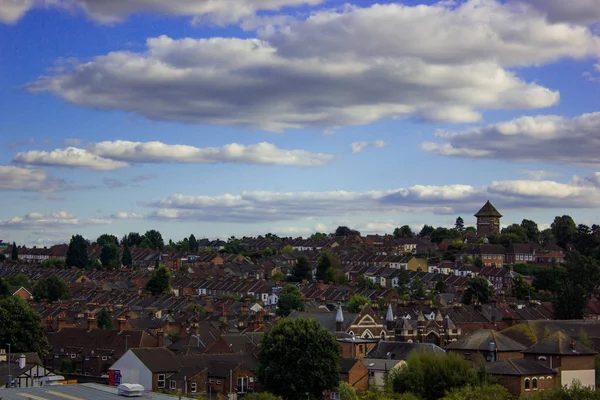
4,289
375,394
347,392
103,320
193,243
287,249
345,231
21,327
356,303
133,239
14,252
262,396
53,263
564,229
531,229
547,237
366,283
429,375
440,286
479,289
109,257
277,275
521,289
427,230
159,282
328,267
51,289
126,258
483,392
66,366
19,280
575,392
318,236
459,225
302,270
403,282
77,254
106,239
417,289
298,356
516,232
154,239
290,298
404,232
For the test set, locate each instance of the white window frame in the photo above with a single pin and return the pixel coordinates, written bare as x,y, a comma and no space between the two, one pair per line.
104,358
172,385
193,387
218,382
160,381
335,395
73,355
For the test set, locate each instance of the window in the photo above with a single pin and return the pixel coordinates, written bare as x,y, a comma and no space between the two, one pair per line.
86,374
218,382
534,383
172,385
104,358
527,387
87,358
548,377
210,380
161,381
335,396
542,358
193,387
242,384
360,348
73,355
371,374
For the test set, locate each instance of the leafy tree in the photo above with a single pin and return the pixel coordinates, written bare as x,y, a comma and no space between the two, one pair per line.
287,249
262,396
521,289
574,285
159,282
318,236
564,229
299,356
470,231
77,253
302,270
133,239
4,289
356,303
365,283
516,232
440,234
478,288
417,289
53,263
103,320
21,327
427,230
403,282
345,231
67,367
126,258
483,392
440,286
290,299
459,224
547,237
105,239
347,392
531,229
183,245
154,240
109,257
429,375
14,252
324,268
404,232
575,392
194,245
51,289
20,280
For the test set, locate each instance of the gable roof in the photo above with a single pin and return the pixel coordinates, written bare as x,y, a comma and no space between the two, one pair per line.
401,350
488,210
157,359
518,367
559,343
480,341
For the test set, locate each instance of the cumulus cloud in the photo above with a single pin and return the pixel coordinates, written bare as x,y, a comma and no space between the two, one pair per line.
358,147
18,178
105,156
49,220
546,138
539,174
338,67
111,11
578,11
69,157
256,207
127,215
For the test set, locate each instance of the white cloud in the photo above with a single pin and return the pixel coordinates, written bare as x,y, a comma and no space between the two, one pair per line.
574,11
18,178
538,175
127,215
358,147
70,157
37,220
546,138
336,68
157,152
256,207
111,11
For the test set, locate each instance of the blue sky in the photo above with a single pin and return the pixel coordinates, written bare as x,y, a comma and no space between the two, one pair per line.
244,117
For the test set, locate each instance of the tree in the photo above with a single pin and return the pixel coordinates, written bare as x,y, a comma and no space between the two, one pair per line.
516,232
194,245
356,303
126,258
262,396
479,289
159,282
532,230
404,232
318,236
4,288
429,375
77,253
21,327
103,320
417,289
521,289
345,231
483,392
290,299
575,392
133,239
323,267
547,237
20,280
299,356
564,229
459,225
109,257
440,234
154,240
287,249
347,392
51,289
302,270
14,252
427,230
440,286
105,239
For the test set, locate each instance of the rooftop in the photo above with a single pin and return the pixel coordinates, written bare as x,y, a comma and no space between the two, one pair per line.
488,210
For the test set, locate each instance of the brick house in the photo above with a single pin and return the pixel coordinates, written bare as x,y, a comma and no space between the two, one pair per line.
355,373
488,343
523,376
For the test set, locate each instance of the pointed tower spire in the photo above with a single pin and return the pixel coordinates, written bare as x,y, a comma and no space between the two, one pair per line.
389,318
339,319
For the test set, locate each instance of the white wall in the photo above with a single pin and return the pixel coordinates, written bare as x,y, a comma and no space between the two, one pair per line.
585,377
133,370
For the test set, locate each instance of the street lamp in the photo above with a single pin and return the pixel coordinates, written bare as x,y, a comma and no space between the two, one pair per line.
9,375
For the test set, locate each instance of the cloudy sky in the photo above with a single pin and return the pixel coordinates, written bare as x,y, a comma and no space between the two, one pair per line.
240,117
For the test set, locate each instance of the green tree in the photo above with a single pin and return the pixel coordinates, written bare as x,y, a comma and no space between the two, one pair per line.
427,230
429,375
159,282
133,239
356,303
262,396
154,240
403,282
440,286
483,392
105,239
574,284
20,280
109,257
459,225
51,289
547,237
126,258
299,356
287,249
318,236
532,230
302,270
324,267
417,289
66,367
21,327
345,231
440,234
103,320
521,289
404,232
290,299
516,232
14,252
479,289
575,392
194,245
4,289
347,392
564,229
77,253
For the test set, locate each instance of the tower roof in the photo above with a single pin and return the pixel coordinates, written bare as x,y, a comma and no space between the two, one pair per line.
339,317
390,314
488,210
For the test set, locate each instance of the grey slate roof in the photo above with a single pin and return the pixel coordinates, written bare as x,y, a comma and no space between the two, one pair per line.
559,343
400,350
326,319
480,341
518,367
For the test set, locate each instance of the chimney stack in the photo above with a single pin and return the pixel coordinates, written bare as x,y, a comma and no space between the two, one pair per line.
160,338
22,361
62,321
122,323
91,322
49,323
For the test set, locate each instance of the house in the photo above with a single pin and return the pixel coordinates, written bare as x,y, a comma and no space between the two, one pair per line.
417,264
355,373
433,328
522,375
490,344
569,358
488,220
148,367
353,347
25,370
23,293
379,369
520,253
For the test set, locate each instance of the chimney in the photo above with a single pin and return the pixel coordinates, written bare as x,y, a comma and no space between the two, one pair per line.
195,328
339,319
244,310
91,322
49,324
224,315
22,361
389,318
160,338
573,344
122,323
62,321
